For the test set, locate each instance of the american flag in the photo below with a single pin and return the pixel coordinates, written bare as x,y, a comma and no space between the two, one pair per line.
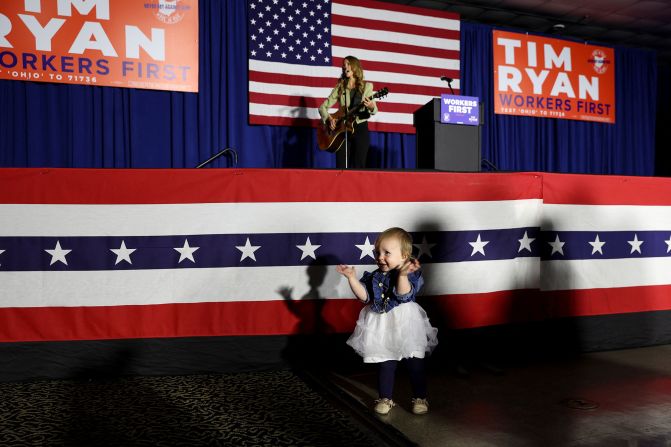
296,50
104,254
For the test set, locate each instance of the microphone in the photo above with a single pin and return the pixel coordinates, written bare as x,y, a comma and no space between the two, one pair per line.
449,82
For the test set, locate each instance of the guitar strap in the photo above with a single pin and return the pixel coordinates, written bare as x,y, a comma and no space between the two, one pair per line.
355,101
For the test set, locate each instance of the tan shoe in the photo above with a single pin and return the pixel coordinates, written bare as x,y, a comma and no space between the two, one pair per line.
420,406
384,406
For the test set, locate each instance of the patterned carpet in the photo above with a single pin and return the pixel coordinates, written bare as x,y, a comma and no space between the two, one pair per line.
271,408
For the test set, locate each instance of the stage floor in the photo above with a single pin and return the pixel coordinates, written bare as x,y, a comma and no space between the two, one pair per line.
615,398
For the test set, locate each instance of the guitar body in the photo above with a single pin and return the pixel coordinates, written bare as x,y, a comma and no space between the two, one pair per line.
332,140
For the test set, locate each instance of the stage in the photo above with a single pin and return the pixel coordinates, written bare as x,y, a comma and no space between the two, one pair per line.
184,271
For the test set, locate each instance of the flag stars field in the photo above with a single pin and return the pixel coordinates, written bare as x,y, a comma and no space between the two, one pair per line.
352,248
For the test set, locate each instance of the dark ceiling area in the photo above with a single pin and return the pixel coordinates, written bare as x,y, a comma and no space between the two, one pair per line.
632,23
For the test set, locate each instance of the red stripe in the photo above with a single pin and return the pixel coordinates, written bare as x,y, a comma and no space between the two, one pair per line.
286,121
313,103
617,300
415,70
485,309
580,189
515,306
284,100
396,27
399,8
287,79
394,48
149,186
312,316
265,120
391,127
410,89
177,320
279,78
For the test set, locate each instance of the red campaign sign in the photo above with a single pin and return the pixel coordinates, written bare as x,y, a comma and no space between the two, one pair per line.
151,44
553,78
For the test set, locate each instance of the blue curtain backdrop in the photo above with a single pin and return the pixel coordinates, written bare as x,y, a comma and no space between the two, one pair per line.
92,127
520,143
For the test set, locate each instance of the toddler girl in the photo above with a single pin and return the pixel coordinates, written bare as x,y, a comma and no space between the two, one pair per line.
392,326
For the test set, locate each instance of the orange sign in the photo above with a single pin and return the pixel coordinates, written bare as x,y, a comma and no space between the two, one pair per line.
151,44
553,78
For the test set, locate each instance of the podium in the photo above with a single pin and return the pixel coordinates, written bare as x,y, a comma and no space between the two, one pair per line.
442,146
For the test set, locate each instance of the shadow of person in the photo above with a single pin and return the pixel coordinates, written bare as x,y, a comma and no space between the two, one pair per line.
310,342
298,141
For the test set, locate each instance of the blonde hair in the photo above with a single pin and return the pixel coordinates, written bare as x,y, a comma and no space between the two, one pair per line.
401,235
357,72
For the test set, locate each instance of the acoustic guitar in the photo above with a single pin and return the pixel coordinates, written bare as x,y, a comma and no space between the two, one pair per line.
332,140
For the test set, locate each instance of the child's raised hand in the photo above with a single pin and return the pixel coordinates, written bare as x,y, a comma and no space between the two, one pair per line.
346,270
409,266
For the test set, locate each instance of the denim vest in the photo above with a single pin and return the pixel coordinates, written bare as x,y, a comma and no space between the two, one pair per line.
381,289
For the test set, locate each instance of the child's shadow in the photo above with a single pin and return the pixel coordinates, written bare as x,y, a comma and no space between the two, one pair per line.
309,342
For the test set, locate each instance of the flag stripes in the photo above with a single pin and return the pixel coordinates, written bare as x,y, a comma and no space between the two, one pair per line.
295,56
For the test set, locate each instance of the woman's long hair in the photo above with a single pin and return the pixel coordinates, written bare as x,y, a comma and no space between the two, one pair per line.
357,72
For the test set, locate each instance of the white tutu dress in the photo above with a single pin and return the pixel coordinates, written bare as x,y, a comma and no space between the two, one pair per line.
390,326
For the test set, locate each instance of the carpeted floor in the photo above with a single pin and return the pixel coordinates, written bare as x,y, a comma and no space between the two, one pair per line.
271,408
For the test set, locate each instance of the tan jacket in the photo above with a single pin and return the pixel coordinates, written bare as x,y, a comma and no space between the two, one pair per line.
363,115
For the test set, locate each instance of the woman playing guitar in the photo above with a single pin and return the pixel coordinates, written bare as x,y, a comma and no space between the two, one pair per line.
352,90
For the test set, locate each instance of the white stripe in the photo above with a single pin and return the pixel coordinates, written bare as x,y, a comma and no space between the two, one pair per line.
605,273
481,276
143,287
378,78
332,73
289,90
393,37
322,93
397,58
607,217
284,111
250,218
395,16
383,77
293,69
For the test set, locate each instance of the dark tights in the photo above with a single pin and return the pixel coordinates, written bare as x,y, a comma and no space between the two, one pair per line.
387,371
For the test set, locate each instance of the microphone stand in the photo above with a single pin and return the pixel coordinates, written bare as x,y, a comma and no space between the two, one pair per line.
215,156
346,123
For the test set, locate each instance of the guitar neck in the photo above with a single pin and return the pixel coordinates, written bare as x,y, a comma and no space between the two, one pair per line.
356,106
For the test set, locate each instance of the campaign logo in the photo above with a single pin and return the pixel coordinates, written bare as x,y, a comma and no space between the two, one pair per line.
170,11
599,61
